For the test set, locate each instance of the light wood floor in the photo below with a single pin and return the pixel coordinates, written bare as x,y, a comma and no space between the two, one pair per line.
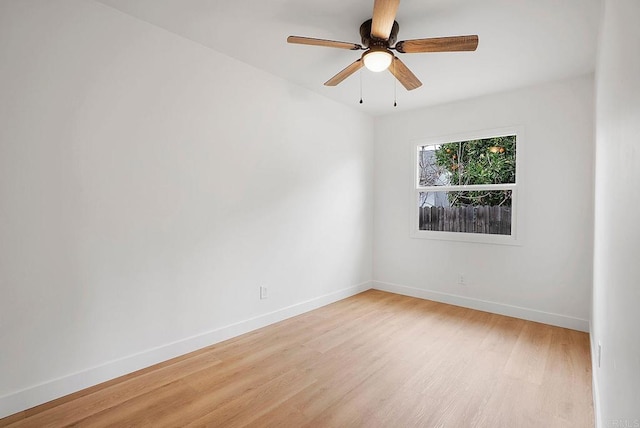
373,360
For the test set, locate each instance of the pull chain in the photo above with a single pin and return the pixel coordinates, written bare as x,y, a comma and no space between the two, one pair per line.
360,86
395,85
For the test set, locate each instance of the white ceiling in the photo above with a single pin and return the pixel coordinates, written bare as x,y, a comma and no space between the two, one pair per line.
522,42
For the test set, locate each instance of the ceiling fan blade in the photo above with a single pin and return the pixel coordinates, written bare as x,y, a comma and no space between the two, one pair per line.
348,71
438,44
321,42
404,75
384,14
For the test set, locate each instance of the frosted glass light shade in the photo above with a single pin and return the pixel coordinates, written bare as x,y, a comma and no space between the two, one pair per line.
377,60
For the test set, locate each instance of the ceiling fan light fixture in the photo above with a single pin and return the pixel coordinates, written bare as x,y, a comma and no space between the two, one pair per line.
377,60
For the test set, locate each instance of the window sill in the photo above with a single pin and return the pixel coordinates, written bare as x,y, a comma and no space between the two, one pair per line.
478,238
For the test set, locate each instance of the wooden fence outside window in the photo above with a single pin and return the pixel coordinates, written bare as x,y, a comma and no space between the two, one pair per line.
495,220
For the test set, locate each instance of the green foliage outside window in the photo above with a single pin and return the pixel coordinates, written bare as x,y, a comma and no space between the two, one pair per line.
485,161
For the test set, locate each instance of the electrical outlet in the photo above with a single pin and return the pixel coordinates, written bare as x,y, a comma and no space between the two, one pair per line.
263,292
461,279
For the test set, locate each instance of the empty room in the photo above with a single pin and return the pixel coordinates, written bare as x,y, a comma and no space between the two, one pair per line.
279,213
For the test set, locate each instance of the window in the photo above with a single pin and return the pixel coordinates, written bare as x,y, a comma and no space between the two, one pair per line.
466,188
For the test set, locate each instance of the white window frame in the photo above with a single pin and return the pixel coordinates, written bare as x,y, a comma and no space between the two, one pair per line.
516,205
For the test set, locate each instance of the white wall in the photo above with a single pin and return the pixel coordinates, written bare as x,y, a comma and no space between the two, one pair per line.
148,186
616,289
548,277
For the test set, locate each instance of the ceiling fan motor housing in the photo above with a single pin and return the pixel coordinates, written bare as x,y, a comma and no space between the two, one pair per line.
368,41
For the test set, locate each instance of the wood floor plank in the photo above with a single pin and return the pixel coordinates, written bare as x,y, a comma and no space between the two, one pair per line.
503,335
256,402
145,409
229,382
568,378
359,405
529,357
347,331
372,360
112,396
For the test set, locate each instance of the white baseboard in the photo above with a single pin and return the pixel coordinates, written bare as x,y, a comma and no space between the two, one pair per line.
487,306
56,388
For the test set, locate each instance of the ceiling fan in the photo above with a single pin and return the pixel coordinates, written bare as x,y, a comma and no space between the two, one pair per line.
379,36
